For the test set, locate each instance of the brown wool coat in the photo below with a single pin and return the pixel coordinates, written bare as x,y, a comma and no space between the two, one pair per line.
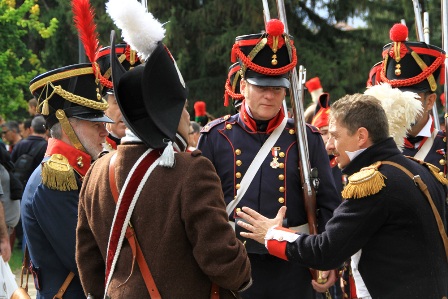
181,225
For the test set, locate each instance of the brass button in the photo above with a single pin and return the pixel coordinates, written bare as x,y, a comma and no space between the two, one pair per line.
281,200
444,139
281,189
281,155
228,126
238,210
291,131
226,117
237,186
238,175
442,174
80,163
281,177
442,162
238,152
281,165
238,162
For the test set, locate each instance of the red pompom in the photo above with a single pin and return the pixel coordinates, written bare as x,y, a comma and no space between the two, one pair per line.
398,33
442,99
199,108
275,27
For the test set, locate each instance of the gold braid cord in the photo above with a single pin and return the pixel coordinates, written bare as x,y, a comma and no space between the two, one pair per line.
58,174
81,100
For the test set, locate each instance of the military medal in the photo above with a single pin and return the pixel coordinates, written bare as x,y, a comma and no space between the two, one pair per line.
274,163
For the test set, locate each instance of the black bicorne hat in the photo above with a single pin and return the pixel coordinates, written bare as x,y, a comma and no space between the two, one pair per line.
266,58
128,58
232,87
411,66
74,90
151,96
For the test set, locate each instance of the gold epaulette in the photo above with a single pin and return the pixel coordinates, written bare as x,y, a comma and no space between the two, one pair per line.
434,170
367,181
58,174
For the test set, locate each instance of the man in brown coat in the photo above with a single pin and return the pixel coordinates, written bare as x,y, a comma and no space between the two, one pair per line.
177,211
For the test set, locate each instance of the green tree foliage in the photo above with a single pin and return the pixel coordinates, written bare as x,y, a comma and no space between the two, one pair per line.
18,64
200,35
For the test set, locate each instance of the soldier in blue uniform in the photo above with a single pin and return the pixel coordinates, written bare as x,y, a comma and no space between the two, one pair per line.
415,66
232,142
71,103
68,98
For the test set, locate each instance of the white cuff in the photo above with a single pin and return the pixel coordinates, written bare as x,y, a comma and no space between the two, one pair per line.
279,235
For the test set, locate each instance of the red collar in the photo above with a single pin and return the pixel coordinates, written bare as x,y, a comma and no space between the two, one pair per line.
79,160
111,142
251,124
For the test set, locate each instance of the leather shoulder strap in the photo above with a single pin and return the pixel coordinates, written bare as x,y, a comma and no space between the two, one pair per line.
419,182
130,235
64,286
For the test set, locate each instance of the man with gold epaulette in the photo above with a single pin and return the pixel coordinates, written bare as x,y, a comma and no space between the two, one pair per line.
392,221
415,66
71,103
261,128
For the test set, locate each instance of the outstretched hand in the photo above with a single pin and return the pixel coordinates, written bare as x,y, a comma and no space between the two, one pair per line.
257,224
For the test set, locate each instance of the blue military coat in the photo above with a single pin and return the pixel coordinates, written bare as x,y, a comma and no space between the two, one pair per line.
49,219
231,146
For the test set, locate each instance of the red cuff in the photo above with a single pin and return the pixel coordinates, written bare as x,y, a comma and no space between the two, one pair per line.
277,248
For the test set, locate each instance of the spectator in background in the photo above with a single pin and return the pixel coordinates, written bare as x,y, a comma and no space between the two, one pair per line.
11,207
25,128
11,134
5,247
32,107
193,135
35,145
315,89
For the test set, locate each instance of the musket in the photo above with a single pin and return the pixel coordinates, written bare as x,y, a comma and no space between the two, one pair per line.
422,31
297,91
308,176
444,4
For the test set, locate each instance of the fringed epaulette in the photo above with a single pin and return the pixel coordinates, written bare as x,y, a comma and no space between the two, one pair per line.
366,182
434,170
58,174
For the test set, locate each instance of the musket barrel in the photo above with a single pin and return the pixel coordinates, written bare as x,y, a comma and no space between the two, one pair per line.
418,20
266,13
444,4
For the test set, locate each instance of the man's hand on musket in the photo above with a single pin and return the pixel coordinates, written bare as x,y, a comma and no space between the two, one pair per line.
257,224
331,280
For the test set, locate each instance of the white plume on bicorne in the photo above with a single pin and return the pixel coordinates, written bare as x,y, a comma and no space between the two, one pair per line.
138,28
402,108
